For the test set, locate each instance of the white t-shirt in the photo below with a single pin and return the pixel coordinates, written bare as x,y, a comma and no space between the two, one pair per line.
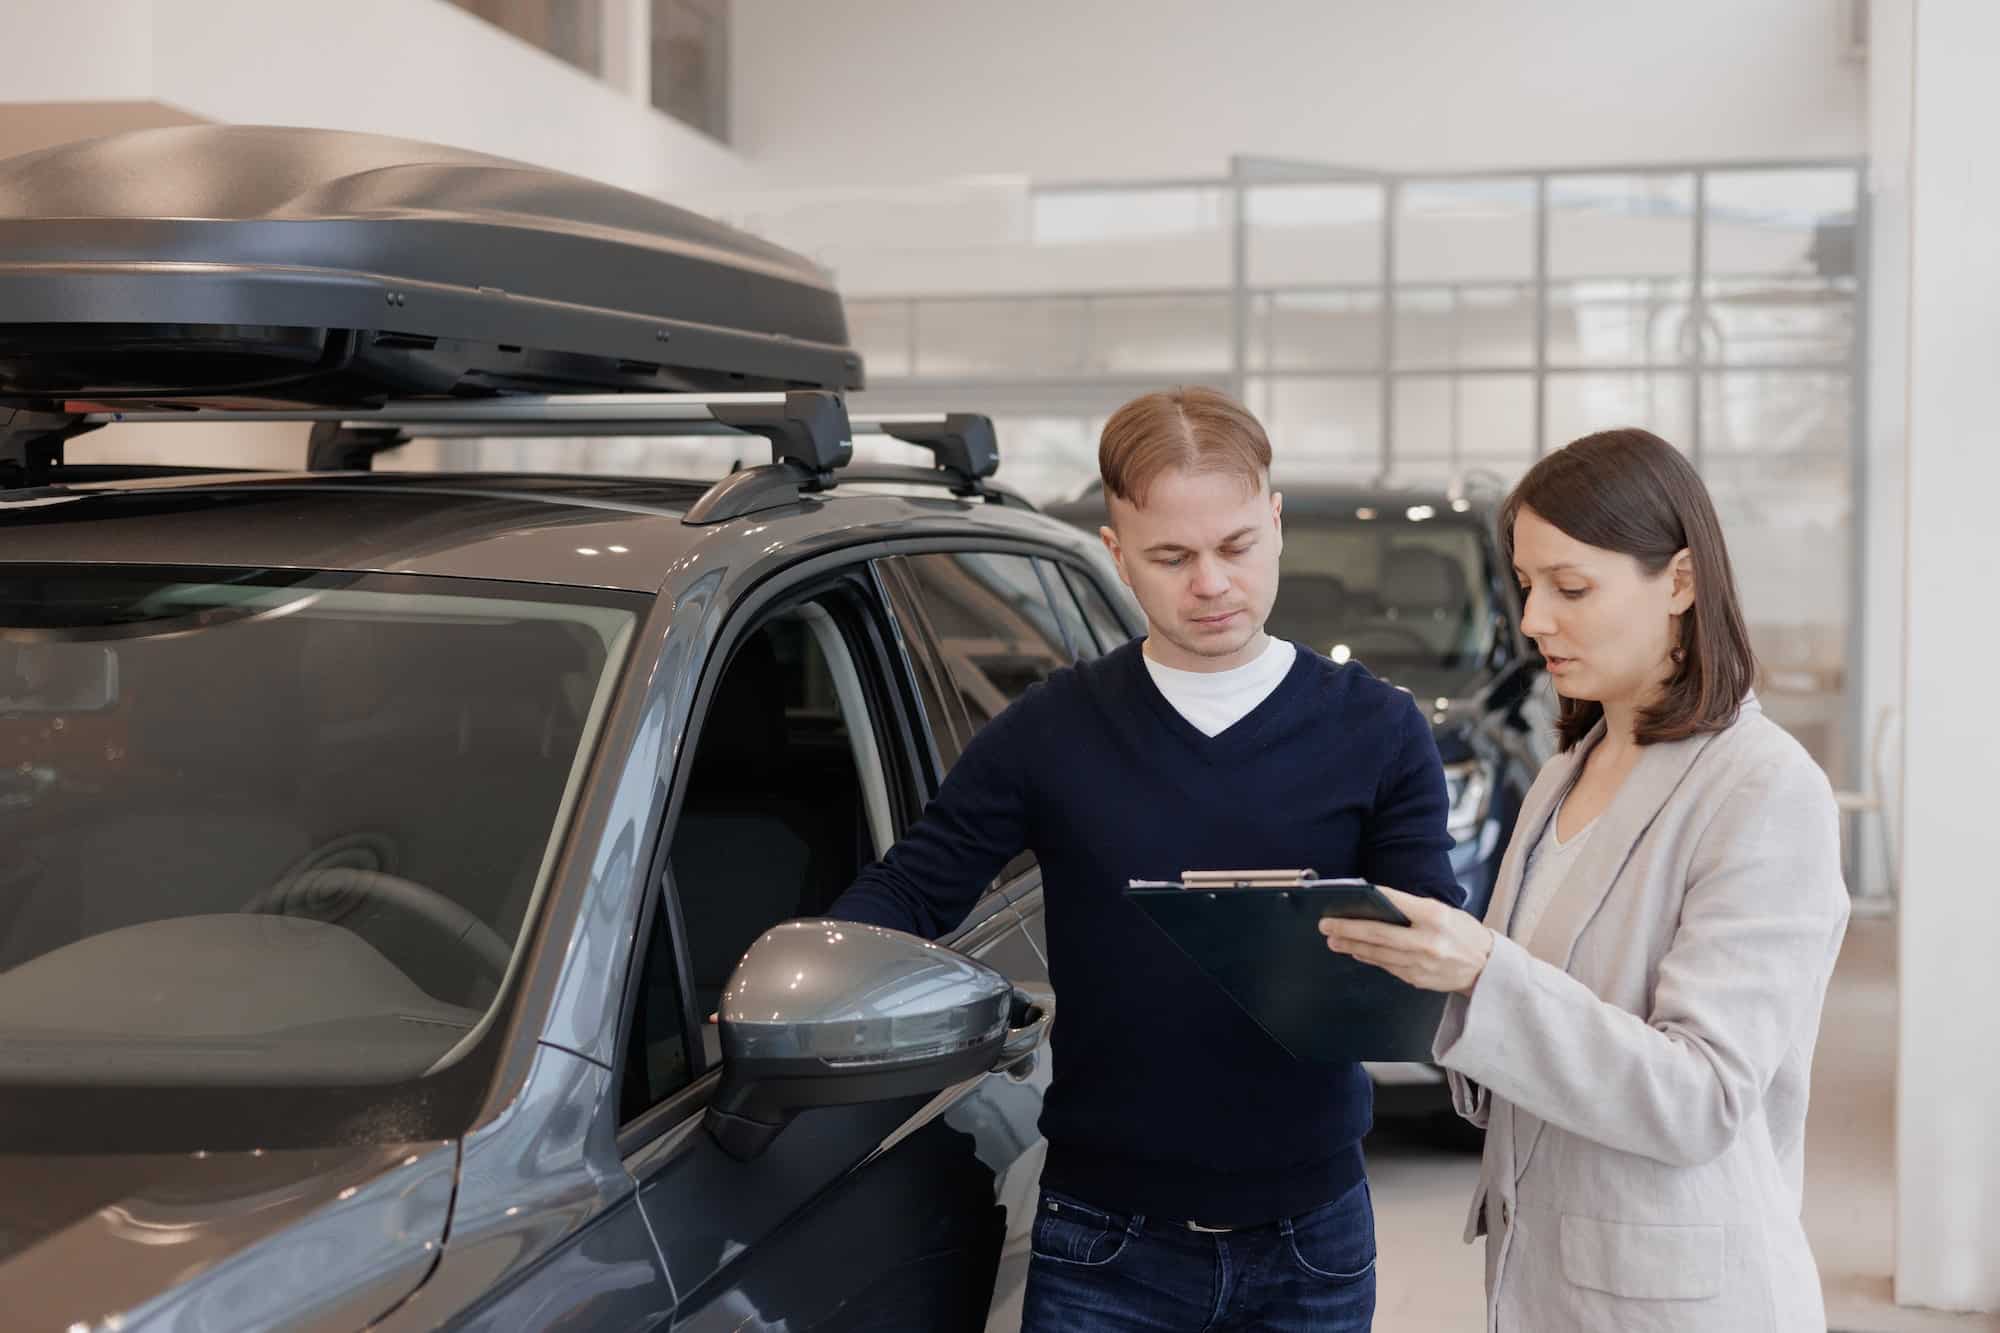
1214,701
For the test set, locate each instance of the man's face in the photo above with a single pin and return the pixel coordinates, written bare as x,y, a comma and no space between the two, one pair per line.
1202,558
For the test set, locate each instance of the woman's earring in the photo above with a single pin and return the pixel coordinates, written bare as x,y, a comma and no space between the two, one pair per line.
1680,655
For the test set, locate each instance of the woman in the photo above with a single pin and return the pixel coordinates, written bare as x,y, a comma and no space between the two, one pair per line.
1634,1023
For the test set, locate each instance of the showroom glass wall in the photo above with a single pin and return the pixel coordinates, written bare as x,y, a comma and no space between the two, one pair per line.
1448,330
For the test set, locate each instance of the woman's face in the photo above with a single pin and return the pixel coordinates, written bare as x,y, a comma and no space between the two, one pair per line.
1604,626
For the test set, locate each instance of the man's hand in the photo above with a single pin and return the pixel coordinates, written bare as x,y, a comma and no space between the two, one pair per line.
1442,949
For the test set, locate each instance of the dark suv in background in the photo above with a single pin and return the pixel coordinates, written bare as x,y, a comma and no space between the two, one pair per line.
1412,585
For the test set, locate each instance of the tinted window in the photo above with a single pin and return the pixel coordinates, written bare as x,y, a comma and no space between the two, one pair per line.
342,790
1405,595
1111,631
936,694
993,623
786,798
1083,644
656,1049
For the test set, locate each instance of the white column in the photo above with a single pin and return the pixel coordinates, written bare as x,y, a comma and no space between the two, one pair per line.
627,40
1948,1103
1879,502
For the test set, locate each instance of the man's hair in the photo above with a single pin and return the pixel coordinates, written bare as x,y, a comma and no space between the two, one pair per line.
1189,428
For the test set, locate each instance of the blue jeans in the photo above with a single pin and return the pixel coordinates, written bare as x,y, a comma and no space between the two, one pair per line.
1095,1271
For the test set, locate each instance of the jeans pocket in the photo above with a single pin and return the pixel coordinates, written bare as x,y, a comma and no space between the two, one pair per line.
1335,1243
1069,1231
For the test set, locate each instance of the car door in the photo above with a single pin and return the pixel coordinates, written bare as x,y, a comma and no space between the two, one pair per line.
982,625
809,753
986,623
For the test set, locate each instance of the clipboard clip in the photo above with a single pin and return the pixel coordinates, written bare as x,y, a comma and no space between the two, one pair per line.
1210,880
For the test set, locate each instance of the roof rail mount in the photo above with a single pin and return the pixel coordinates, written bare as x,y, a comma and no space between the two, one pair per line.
809,429
963,442
31,444
336,446
810,437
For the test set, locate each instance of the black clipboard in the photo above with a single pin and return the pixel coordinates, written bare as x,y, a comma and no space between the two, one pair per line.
1257,934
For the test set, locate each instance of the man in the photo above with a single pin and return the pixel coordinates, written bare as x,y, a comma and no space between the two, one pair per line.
1198,1176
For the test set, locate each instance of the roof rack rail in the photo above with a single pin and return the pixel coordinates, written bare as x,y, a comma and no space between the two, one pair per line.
805,426
810,432
31,442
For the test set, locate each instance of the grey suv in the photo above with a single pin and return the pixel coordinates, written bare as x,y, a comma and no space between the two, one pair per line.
378,844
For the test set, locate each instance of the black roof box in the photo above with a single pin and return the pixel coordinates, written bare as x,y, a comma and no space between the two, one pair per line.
224,263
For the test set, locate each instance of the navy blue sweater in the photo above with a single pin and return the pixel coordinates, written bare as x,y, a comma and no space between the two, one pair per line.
1167,1098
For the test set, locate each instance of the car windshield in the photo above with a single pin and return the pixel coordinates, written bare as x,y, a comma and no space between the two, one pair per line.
1409,597
278,828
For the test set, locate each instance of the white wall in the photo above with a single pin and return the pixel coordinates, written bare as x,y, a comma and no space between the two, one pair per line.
901,90
1948,1131
77,51
421,69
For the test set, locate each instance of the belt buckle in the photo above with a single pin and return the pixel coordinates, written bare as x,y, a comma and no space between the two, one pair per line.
1209,1231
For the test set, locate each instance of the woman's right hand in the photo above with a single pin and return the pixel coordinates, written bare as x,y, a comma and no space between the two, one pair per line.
1442,949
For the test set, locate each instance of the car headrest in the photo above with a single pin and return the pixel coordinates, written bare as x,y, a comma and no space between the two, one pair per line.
1416,579
744,730
1322,596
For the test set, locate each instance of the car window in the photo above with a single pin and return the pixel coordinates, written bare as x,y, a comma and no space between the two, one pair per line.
786,797
993,624
1110,630
995,628
657,1063
1082,643
341,790
1409,599
937,696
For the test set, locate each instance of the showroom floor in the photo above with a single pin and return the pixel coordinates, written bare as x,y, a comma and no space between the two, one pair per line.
1427,1281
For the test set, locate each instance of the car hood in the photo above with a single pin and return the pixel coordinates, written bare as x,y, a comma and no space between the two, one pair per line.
298,1238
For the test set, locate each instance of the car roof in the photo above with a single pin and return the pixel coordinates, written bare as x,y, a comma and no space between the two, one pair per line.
582,531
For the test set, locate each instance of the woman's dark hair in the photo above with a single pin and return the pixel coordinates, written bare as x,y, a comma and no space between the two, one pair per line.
1630,491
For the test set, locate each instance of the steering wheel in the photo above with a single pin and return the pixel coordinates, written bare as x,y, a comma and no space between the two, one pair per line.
329,893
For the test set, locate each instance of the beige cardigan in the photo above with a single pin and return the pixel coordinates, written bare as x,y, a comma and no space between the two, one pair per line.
1642,1062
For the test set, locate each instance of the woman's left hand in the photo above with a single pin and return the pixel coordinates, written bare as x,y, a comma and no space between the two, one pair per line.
1442,949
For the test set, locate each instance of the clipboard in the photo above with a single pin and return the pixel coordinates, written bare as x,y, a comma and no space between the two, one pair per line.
1256,933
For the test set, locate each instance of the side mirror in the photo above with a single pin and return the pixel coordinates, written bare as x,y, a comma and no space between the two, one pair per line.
830,1013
